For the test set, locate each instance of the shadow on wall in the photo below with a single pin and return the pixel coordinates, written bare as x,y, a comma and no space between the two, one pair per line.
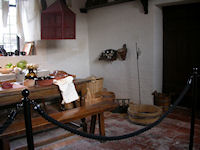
65,48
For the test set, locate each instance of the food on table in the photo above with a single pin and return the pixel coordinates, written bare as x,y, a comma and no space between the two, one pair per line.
59,74
6,85
8,65
32,66
13,66
22,64
5,70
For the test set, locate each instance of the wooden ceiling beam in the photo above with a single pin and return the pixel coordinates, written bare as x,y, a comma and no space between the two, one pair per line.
91,5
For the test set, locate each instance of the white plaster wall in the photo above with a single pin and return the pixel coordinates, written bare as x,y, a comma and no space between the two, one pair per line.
157,48
71,55
111,27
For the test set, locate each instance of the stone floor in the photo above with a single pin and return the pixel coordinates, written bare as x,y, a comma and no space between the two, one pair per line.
171,134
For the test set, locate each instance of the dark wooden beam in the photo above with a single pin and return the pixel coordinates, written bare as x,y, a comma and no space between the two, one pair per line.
145,5
44,4
85,10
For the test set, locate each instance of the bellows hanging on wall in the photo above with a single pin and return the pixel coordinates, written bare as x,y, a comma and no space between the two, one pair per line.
111,54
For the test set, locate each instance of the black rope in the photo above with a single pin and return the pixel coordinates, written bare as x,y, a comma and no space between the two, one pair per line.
11,117
111,138
9,120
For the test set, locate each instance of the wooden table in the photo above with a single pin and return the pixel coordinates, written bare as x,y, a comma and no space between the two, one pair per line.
12,96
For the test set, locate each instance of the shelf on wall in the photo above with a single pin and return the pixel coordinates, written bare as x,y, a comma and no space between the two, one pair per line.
144,3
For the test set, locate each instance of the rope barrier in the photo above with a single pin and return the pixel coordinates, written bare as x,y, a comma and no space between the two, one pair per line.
9,120
11,117
112,138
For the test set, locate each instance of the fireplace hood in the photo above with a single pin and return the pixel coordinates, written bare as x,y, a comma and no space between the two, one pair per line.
58,22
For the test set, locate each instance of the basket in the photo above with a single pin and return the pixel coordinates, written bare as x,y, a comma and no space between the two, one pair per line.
144,114
96,85
94,100
72,105
91,99
162,100
122,54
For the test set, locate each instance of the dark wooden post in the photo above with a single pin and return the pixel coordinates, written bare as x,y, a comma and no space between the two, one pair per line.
93,123
83,120
194,103
27,118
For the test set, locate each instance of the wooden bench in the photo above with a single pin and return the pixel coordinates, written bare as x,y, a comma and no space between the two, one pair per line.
38,123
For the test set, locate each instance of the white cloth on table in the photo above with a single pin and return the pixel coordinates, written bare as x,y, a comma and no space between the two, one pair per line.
67,89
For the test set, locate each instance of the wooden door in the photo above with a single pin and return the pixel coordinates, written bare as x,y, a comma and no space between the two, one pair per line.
181,26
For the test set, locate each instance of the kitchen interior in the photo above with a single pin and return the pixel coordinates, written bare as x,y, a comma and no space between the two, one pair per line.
115,47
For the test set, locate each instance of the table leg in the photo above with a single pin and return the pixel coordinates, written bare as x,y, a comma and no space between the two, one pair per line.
84,124
44,105
4,144
93,123
101,124
74,104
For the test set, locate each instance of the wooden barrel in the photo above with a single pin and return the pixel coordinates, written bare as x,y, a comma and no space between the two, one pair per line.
96,85
93,100
162,100
144,114
107,95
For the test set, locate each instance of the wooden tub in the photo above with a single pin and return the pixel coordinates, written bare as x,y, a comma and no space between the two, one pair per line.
144,114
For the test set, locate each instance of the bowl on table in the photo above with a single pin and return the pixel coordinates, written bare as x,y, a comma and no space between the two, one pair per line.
5,70
44,81
29,82
59,74
6,85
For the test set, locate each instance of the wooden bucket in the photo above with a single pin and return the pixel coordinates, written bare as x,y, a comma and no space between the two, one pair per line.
94,100
91,99
144,114
69,106
96,85
106,95
162,100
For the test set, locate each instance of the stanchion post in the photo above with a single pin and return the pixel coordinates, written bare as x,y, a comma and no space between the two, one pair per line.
194,102
27,118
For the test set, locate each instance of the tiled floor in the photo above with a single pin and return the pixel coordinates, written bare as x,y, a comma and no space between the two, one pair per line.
171,134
